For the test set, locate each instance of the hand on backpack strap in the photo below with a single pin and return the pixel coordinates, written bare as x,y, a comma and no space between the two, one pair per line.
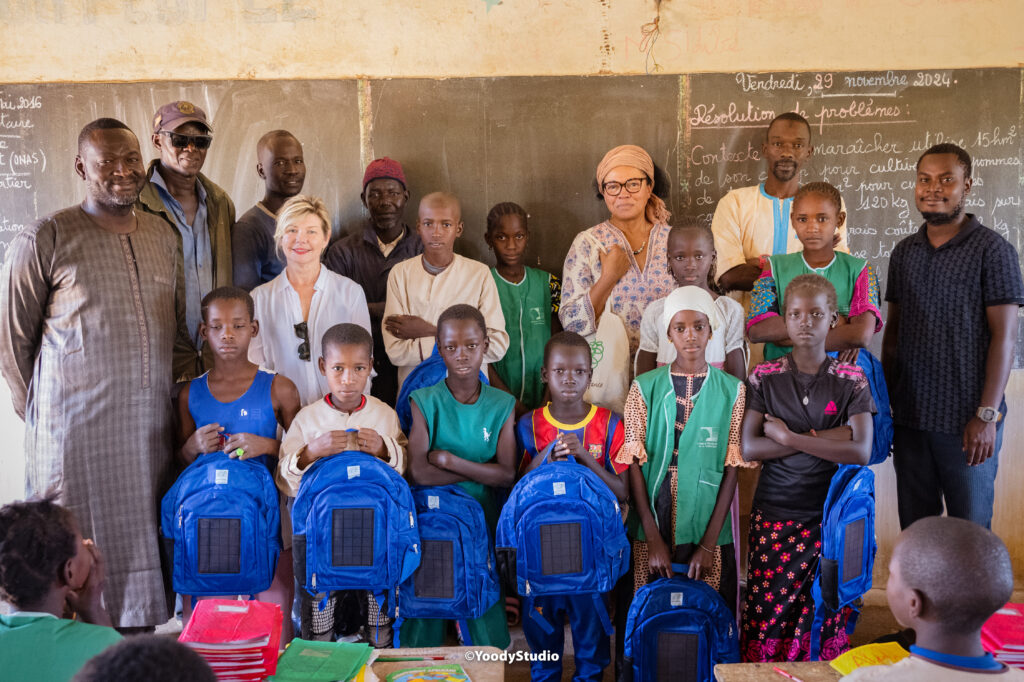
659,559
567,444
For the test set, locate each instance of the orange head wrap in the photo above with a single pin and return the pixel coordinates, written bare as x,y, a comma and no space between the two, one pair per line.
637,157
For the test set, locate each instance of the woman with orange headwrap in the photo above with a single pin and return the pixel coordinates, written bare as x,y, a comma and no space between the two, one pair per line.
623,258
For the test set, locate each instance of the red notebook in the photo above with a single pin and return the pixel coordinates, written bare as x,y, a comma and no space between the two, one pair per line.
1004,631
233,635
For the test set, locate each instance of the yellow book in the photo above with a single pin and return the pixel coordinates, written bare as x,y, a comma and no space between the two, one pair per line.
869,654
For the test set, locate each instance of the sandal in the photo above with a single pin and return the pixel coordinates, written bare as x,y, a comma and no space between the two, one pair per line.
512,611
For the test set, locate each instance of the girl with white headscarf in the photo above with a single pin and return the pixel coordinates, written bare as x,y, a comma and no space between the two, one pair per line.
682,444
621,260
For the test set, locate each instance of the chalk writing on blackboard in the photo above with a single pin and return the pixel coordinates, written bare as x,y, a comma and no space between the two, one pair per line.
21,162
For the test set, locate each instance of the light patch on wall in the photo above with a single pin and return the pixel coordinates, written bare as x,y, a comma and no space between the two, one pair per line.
313,39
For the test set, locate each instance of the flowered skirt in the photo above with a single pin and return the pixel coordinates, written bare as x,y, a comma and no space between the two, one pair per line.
778,611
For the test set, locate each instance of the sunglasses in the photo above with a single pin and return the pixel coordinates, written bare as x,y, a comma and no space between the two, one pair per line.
302,332
180,141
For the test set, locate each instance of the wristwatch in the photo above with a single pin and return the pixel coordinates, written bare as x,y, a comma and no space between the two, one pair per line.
989,415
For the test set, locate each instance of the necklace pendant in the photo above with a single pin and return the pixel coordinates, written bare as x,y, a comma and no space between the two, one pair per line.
806,400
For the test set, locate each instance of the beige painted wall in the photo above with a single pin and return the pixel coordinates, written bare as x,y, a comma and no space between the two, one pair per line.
88,40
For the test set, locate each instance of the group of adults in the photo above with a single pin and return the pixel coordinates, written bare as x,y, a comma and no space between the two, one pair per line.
102,305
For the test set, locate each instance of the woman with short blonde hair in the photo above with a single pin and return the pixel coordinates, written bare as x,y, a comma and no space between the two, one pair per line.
295,308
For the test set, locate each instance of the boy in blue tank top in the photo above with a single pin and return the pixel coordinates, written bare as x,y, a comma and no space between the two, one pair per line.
236,408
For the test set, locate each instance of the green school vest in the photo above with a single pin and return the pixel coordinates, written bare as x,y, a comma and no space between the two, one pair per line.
469,431
702,448
842,272
527,310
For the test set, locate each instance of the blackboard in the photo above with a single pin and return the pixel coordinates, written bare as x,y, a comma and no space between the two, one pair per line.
537,140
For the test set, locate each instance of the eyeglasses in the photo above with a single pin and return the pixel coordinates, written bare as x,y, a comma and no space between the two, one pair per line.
302,332
614,189
180,141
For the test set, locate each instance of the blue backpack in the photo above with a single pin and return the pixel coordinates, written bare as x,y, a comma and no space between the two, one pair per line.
883,429
847,548
678,629
561,532
456,578
354,527
221,527
427,373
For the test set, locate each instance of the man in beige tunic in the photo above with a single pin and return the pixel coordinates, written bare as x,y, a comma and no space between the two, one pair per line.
90,320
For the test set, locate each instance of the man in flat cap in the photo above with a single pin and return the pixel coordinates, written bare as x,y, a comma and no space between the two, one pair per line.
200,213
366,256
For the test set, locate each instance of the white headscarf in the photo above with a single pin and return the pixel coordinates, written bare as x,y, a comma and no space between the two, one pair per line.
690,298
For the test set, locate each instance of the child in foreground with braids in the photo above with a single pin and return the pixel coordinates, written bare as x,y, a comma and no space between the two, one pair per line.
529,301
47,569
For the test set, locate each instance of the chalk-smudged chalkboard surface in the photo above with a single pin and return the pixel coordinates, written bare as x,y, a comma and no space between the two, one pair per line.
537,141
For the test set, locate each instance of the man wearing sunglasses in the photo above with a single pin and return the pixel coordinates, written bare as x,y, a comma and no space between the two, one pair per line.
200,212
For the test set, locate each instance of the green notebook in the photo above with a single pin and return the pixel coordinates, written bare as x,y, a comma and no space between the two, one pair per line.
430,673
321,661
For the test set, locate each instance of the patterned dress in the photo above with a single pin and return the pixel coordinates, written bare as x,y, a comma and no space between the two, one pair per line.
91,320
633,292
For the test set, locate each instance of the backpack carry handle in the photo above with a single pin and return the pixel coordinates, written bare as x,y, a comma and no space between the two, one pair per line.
547,453
681,569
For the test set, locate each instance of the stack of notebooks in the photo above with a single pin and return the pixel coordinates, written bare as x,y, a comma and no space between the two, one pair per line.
239,639
1003,635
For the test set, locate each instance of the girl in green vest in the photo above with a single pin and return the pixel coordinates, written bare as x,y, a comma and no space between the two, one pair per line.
529,301
462,432
682,443
816,216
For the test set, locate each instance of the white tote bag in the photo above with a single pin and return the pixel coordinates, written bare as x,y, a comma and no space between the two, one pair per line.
609,356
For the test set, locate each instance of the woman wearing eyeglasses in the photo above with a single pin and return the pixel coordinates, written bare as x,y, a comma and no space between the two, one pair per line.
622,259
295,308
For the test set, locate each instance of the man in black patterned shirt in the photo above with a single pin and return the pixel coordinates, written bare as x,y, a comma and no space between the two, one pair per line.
953,290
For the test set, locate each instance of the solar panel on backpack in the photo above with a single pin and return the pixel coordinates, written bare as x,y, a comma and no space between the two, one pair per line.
853,549
220,545
560,548
435,578
352,537
677,657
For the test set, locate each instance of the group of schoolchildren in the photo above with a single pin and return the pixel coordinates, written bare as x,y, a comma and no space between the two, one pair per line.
690,422
693,417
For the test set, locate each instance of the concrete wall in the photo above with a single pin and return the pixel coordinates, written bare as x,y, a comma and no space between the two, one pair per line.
87,40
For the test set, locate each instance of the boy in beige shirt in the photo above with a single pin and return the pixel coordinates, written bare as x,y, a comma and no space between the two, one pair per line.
345,419
422,287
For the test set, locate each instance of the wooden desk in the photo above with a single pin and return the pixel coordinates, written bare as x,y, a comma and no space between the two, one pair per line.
478,671
813,671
